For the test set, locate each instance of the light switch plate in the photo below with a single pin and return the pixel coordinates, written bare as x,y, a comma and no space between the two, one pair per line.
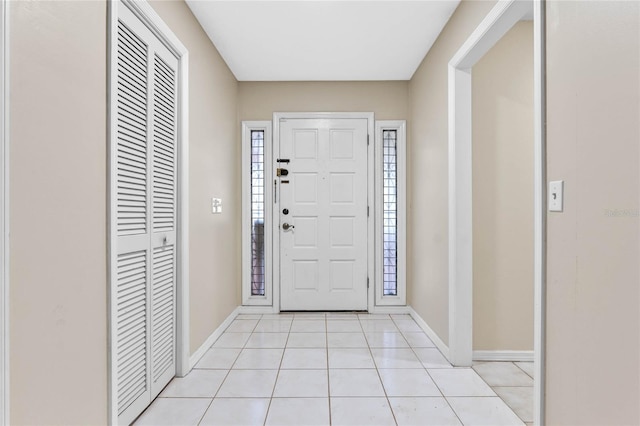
216,205
556,195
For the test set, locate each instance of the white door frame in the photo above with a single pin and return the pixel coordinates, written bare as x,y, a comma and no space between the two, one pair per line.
496,24
369,116
4,214
152,20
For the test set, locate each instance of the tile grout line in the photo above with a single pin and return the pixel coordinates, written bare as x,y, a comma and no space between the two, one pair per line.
498,395
266,415
326,342
522,369
375,364
228,371
431,377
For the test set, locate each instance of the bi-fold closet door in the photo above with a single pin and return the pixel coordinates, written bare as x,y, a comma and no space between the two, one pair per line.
143,295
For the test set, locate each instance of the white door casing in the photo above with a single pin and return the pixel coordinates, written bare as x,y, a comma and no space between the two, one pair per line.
144,130
497,22
324,255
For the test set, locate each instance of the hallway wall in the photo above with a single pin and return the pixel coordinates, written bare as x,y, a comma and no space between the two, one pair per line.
214,171
58,336
387,99
593,297
58,293
503,194
427,222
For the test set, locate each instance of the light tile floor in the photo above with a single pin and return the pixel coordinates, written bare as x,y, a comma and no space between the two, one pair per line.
513,382
338,369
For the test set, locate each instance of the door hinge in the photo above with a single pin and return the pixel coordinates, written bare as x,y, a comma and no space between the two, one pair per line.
367,282
367,140
367,211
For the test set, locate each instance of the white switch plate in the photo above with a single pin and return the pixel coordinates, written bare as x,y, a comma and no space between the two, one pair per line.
216,205
556,195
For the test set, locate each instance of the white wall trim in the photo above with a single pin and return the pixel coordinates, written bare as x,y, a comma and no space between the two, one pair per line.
401,178
370,117
391,310
247,297
4,214
199,353
442,347
497,22
512,356
257,310
156,25
539,216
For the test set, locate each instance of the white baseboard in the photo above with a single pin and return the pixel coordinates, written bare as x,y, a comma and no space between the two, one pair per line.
198,354
444,349
256,310
397,310
513,356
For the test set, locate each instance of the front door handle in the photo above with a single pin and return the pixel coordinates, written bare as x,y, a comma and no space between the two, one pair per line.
286,226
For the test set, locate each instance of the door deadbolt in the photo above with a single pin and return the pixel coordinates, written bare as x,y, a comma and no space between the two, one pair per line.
282,172
286,226
285,211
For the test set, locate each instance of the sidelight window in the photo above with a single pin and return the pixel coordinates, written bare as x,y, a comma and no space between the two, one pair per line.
256,213
390,212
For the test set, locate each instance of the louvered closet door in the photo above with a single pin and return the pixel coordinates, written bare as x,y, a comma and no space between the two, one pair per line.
145,222
163,219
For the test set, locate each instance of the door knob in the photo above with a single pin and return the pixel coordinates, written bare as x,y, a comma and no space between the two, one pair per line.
286,226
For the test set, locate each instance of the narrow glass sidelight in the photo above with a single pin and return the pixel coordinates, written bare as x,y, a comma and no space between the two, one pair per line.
257,213
390,212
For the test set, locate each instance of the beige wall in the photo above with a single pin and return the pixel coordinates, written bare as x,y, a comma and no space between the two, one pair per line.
58,321
503,194
259,100
214,171
58,203
427,227
593,323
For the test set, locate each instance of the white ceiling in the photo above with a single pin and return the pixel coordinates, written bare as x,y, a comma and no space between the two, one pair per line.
323,40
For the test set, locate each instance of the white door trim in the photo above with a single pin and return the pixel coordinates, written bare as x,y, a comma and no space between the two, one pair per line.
4,214
152,20
497,22
540,207
369,116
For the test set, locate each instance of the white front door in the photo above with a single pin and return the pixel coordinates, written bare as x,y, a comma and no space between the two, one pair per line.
323,216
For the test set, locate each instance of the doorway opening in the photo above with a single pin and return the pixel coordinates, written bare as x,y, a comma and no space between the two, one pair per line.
497,23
